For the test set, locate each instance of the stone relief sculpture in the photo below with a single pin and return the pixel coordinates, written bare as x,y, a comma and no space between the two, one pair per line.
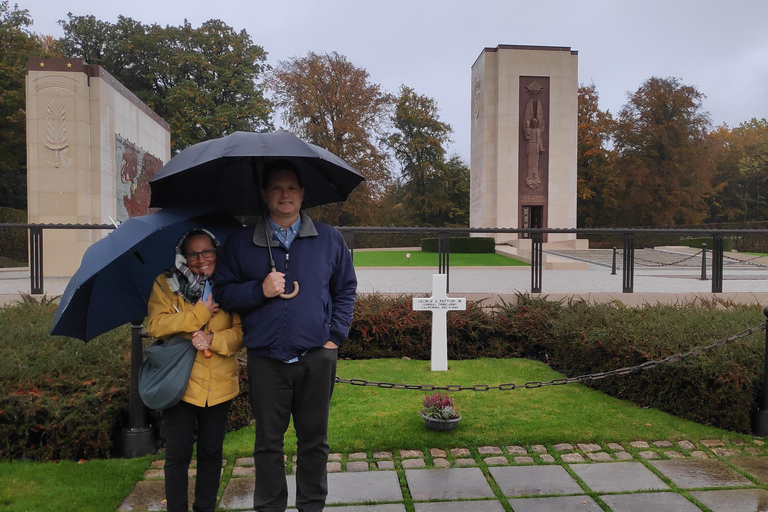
56,128
137,167
533,127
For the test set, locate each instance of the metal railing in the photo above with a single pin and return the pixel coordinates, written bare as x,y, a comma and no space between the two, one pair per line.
36,248
629,236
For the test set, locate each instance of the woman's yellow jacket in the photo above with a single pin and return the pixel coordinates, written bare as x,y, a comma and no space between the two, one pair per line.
213,380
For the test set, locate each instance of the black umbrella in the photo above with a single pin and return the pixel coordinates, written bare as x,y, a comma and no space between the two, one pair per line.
225,172
115,278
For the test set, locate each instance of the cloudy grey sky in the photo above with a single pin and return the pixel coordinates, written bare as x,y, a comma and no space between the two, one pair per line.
721,47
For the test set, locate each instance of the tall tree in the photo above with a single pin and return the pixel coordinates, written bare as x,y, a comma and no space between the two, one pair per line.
204,81
18,45
660,140
741,162
418,144
457,182
598,182
330,102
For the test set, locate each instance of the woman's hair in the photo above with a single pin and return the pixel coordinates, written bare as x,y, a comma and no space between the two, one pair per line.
276,166
195,232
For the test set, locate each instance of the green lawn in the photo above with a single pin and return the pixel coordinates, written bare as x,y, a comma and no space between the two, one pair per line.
371,419
93,486
429,259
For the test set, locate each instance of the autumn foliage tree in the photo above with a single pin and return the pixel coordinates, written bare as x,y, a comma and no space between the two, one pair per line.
204,81
740,156
328,101
598,181
661,150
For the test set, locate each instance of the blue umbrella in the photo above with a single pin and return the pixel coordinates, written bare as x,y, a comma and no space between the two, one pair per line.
115,278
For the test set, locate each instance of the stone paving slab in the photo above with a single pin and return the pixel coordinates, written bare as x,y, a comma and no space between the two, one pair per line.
447,484
149,495
456,506
649,502
755,466
388,507
534,480
557,504
364,487
693,474
342,488
618,477
752,500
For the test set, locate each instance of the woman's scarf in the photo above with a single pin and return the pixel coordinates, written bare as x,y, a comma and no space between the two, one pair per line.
180,278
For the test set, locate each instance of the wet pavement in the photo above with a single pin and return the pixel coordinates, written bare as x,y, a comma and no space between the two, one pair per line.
672,476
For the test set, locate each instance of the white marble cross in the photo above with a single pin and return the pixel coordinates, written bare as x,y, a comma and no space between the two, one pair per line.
439,303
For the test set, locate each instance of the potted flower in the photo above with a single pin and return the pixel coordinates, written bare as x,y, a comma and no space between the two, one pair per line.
439,412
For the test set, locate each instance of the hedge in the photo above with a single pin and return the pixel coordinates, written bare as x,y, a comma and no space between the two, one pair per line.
13,241
463,244
696,243
63,399
717,388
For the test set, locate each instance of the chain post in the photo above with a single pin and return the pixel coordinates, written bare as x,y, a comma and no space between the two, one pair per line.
760,419
717,263
628,269
36,261
537,263
703,262
613,267
138,438
443,257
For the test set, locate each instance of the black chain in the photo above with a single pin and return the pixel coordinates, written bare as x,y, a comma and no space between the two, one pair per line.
726,261
750,261
651,263
557,382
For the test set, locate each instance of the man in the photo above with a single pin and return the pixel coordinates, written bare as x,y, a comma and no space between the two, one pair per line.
292,342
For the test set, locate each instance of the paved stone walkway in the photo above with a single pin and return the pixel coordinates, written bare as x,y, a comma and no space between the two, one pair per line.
683,476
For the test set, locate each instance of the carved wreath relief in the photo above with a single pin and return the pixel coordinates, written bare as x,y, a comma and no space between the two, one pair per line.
56,128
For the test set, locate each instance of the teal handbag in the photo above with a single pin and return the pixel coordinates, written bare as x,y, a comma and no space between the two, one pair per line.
164,374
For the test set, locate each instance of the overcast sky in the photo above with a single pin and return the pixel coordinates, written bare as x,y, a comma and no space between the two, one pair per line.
720,47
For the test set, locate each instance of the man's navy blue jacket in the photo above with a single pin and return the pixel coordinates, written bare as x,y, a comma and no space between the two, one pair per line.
285,328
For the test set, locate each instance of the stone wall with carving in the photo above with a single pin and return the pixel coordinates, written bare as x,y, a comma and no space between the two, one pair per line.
524,139
91,147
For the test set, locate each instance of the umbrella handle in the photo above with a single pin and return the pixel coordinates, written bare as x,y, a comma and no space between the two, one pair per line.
291,295
207,353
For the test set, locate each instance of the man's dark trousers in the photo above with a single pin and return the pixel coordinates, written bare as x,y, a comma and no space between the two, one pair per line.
278,390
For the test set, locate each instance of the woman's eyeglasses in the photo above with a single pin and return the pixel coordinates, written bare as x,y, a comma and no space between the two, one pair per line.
194,256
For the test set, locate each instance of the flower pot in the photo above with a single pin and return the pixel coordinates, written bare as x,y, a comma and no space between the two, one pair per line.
440,425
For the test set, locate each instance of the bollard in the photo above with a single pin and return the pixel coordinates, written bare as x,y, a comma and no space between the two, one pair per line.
703,262
138,438
760,419
613,268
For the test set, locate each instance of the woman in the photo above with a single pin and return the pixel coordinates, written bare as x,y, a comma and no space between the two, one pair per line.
177,307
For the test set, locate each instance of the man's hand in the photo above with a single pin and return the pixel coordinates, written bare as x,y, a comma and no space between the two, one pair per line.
274,284
330,344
